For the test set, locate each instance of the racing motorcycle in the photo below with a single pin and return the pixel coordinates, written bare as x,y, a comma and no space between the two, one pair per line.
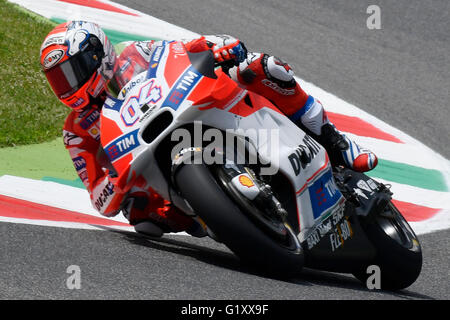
231,160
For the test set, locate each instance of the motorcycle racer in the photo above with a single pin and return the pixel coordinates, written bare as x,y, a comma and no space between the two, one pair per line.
81,64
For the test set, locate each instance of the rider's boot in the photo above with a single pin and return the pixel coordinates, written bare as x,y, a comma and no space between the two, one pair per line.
340,148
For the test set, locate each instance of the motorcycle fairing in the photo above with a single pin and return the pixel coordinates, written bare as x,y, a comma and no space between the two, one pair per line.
173,85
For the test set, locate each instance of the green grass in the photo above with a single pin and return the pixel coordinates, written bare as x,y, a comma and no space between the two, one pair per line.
29,110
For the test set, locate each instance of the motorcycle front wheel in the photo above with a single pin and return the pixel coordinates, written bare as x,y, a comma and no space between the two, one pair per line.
251,243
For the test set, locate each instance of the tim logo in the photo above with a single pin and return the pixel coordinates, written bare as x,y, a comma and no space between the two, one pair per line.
182,88
79,163
122,145
126,143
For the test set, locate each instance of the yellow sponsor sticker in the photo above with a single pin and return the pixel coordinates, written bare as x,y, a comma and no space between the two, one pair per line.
246,181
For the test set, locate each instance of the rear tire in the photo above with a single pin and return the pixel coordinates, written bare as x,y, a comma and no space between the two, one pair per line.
399,254
224,217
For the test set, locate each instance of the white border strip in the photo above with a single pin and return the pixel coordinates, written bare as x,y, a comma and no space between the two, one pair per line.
143,25
51,194
62,224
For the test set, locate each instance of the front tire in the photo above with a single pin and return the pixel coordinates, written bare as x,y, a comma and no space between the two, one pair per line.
228,222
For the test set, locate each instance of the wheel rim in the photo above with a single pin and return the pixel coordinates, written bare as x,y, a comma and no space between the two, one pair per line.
278,230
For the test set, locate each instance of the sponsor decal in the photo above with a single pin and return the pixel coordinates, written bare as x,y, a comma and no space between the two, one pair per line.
277,88
113,104
84,177
94,132
132,84
246,186
363,185
157,54
372,184
303,154
152,70
360,193
313,239
80,167
340,234
178,49
52,58
323,228
71,139
336,226
104,195
148,111
79,163
179,156
154,60
125,66
182,88
123,145
53,39
323,194
90,119
77,103
82,114
246,181
187,80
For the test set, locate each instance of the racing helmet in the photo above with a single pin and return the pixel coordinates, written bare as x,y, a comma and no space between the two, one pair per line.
78,60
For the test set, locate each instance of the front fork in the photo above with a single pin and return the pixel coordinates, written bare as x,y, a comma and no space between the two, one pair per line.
246,182
255,197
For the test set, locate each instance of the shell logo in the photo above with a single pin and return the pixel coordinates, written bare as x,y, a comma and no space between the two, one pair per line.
246,181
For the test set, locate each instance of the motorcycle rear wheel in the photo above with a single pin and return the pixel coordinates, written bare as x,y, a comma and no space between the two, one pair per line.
228,222
399,255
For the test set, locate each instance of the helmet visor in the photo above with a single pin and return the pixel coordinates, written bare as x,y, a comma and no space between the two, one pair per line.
70,75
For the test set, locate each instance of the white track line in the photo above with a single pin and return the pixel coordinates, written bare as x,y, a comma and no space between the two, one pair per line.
51,194
154,27
63,224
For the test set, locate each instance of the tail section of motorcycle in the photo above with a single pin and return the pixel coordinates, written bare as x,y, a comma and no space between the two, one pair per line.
397,251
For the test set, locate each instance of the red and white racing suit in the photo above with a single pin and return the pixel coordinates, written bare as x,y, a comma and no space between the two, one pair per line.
261,73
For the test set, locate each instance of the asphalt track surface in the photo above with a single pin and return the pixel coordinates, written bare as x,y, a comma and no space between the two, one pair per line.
398,73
